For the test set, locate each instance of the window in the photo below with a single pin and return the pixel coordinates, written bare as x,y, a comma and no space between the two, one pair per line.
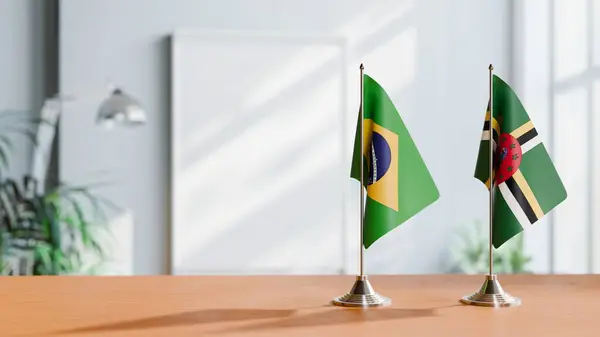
557,75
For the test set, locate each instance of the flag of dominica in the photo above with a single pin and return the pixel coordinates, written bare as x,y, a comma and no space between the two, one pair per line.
526,184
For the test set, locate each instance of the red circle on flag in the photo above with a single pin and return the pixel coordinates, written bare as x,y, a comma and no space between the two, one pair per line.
508,157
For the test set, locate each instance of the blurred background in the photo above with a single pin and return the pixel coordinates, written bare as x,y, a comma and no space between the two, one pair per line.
242,166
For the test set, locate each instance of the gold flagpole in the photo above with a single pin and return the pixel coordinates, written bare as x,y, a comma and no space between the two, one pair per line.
491,148
362,176
362,293
491,293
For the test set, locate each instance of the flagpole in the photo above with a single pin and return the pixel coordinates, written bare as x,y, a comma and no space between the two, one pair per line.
490,293
491,210
362,177
362,294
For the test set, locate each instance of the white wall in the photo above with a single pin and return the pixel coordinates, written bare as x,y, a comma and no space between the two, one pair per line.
431,56
22,61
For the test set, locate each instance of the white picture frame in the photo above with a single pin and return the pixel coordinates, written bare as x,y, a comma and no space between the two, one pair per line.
233,238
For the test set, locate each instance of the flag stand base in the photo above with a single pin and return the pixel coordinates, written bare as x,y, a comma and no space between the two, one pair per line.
491,294
362,295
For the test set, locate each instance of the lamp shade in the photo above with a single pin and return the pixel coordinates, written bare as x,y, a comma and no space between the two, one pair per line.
121,108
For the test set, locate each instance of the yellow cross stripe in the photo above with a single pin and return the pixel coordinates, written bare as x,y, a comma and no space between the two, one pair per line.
495,124
524,186
487,182
522,129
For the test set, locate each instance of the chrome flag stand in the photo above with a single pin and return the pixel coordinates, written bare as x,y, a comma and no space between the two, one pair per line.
362,294
491,293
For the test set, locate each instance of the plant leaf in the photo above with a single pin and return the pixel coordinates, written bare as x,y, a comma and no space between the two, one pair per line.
3,157
42,252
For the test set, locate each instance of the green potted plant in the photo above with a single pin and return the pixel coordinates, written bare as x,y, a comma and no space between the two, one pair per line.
470,255
57,232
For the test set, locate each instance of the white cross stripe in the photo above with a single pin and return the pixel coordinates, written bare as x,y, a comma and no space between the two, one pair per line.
514,205
530,144
485,135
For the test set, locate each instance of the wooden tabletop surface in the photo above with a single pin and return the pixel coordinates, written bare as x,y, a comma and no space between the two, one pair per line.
292,306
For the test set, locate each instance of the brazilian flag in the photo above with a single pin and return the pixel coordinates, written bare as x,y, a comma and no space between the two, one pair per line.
526,184
397,181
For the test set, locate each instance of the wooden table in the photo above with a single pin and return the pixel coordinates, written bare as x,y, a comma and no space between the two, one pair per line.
291,306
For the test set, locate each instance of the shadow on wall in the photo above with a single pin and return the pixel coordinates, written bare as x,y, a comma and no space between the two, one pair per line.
265,236
443,108
288,210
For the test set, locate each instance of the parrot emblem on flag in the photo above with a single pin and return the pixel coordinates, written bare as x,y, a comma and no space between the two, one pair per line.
509,158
